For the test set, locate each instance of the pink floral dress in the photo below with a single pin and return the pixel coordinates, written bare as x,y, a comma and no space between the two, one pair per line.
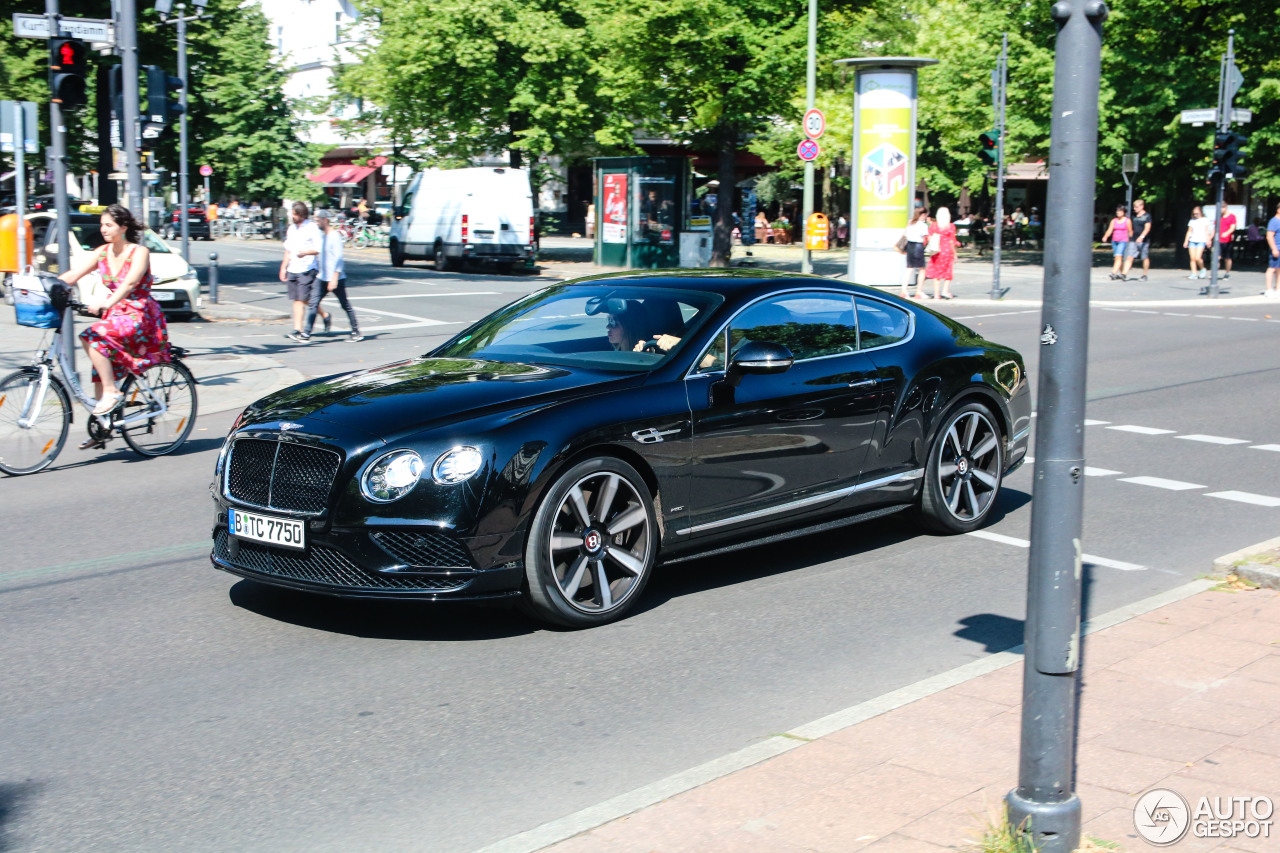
941,265
133,333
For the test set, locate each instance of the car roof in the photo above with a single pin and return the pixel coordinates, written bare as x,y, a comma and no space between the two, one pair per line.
726,282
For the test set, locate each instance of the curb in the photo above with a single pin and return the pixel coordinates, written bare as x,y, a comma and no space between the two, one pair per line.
1226,560
1267,577
633,801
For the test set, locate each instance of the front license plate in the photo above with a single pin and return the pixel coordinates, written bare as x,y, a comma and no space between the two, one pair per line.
164,296
285,532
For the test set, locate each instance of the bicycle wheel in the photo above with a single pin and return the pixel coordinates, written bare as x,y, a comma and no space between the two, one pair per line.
172,384
26,448
361,239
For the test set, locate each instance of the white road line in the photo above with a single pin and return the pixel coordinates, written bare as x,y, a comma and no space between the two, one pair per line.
1210,316
1245,319
1172,314
1245,498
1088,558
1001,538
1142,311
1141,430
422,321
1275,447
1213,439
1088,422
418,295
1117,310
1161,483
420,325
1100,472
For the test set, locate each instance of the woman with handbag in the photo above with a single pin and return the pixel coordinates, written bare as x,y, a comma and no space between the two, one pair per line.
911,244
941,251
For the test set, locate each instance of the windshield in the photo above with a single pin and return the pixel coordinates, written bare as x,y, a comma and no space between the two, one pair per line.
607,327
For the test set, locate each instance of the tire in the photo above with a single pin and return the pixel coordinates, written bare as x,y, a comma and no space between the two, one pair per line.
441,261
397,256
33,448
577,573
963,476
361,240
173,383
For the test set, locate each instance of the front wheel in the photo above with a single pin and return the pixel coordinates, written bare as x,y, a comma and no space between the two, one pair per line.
172,385
592,545
397,254
963,476
33,424
360,240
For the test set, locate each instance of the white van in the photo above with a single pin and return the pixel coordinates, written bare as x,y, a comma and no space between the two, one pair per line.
455,215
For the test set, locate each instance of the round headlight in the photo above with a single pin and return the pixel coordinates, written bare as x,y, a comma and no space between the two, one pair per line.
456,465
392,476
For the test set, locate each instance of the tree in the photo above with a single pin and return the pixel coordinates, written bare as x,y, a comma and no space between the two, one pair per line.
457,79
709,72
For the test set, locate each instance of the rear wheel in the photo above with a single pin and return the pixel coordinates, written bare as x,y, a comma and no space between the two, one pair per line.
592,545
171,384
963,476
441,261
33,424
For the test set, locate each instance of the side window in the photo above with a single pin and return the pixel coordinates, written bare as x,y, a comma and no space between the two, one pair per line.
811,325
880,323
713,358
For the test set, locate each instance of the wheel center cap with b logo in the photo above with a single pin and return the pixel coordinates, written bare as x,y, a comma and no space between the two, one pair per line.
592,541
962,466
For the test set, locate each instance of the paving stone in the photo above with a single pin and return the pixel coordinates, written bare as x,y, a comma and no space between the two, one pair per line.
827,824
964,756
913,793
955,710
1266,668
1003,686
1190,613
897,843
748,793
1208,644
826,761
1245,692
1120,771
745,841
1150,631
1266,739
1235,767
1135,693
1102,650
1200,714
1174,743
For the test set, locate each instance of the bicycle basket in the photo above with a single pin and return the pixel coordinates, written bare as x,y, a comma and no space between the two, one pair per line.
37,300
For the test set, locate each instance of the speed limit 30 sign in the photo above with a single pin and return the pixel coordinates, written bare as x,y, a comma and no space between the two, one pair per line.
815,123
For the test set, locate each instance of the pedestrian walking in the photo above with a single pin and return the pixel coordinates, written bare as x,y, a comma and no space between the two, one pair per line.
1140,245
1273,256
331,278
1118,232
941,265
1199,233
298,269
842,231
912,245
1226,234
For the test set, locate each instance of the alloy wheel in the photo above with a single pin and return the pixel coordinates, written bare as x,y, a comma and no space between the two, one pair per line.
968,469
600,543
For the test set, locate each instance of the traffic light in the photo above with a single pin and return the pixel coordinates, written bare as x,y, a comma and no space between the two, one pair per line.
159,107
1233,155
989,144
66,72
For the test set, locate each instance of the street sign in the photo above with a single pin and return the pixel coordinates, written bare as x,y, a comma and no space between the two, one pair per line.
1241,116
1234,80
90,29
815,123
30,127
1199,116
1129,163
808,150
206,170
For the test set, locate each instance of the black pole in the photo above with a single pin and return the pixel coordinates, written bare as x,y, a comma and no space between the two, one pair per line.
213,277
1002,82
127,42
1044,805
184,186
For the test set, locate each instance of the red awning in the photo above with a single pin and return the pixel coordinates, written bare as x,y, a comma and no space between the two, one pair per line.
343,176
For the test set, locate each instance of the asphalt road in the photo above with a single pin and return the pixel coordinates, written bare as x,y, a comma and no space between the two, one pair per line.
151,703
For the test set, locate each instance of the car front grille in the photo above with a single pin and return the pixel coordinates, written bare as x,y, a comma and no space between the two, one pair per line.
424,550
281,475
322,566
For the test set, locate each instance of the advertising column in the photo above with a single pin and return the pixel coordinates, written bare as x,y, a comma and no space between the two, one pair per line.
884,165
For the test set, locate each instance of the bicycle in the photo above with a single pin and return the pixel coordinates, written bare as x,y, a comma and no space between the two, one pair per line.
157,412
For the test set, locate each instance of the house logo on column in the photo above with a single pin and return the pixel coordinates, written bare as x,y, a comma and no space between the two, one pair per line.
884,171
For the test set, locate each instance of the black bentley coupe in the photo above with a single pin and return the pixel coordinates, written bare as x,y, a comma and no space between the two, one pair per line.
561,447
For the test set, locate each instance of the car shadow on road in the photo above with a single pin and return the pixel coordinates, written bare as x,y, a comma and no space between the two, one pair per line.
12,797
383,620
774,559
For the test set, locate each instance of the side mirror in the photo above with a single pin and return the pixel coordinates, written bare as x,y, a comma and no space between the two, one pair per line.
759,357
398,212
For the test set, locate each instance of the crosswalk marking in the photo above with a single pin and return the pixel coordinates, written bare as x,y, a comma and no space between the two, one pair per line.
1141,430
1100,472
1161,483
1245,498
1275,447
1087,558
1213,439
1088,422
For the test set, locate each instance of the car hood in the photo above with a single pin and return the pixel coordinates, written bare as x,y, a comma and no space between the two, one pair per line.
410,396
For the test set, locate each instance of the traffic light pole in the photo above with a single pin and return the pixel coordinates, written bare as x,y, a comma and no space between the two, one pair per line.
1002,83
1044,805
1225,97
127,40
58,145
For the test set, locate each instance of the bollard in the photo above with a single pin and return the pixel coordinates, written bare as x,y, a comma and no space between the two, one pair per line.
213,277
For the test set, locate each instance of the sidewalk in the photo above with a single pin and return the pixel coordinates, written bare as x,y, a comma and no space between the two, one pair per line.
1021,271
1181,691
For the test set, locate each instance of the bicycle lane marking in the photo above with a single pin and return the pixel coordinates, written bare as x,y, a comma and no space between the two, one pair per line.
138,558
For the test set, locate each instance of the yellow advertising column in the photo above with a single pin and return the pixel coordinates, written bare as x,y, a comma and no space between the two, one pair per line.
884,165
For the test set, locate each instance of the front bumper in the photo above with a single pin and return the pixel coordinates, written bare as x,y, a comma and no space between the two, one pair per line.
368,563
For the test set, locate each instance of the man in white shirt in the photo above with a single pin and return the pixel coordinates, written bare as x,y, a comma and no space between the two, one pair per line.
298,269
333,279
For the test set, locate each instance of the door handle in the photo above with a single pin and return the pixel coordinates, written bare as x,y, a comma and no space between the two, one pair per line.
863,383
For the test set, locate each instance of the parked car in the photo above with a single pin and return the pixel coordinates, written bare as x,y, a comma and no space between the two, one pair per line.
452,216
541,456
197,224
176,288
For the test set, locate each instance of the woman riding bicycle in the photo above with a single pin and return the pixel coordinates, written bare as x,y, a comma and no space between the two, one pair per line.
132,335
